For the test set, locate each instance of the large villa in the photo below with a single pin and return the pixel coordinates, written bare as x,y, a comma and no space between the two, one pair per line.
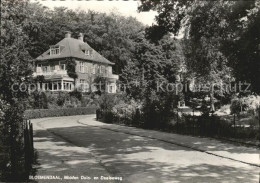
53,63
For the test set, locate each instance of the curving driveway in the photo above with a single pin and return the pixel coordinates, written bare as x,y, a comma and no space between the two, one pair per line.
79,146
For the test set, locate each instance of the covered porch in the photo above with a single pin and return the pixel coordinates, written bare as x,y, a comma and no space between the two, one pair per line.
56,83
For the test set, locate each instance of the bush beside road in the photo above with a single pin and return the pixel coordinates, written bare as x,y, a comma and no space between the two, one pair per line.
42,113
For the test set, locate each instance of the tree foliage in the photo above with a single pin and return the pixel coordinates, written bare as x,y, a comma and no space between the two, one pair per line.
112,35
15,68
222,37
154,65
71,68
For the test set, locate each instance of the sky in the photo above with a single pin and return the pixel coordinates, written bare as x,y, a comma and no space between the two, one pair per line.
125,8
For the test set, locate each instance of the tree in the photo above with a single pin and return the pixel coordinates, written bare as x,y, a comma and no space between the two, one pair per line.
15,68
242,46
207,25
222,30
154,65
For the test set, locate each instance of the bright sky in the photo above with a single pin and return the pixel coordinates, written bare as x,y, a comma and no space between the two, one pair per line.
125,8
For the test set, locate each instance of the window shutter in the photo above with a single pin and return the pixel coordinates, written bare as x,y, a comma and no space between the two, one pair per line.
77,67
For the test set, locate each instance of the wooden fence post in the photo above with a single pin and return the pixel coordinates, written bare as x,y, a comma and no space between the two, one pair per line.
234,120
31,138
234,123
26,152
125,117
177,119
28,146
97,114
259,121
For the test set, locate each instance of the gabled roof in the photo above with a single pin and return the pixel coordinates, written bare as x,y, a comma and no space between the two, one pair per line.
70,47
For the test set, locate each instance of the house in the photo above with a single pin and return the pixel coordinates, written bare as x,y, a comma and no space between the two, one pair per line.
89,64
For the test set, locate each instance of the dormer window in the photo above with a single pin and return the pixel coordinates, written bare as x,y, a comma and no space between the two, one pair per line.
55,50
87,52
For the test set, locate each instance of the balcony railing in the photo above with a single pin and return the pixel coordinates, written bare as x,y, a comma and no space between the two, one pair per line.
59,72
64,72
113,76
109,76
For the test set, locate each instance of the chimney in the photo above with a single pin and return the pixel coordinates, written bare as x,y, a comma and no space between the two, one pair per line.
68,34
81,37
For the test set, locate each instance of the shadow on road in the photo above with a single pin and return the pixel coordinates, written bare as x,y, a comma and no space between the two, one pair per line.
137,159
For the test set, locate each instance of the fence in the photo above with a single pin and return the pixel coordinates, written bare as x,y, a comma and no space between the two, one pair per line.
210,126
213,126
28,146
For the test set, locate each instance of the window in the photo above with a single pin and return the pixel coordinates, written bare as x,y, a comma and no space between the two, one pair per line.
86,68
110,89
97,69
46,86
101,69
64,86
62,67
87,52
83,85
55,86
81,66
50,86
109,70
52,67
44,68
59,85
54,50
93,69
67,85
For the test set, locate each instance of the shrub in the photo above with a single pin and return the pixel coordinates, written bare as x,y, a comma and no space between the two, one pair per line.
158,109
236,105
213,126
250,103
41,113
108,117
12,152
75,102
126,111
225,109
89,100
119,109
62,98
76,94
107,101
38,100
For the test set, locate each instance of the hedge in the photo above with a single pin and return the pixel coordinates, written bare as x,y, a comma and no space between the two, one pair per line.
42,113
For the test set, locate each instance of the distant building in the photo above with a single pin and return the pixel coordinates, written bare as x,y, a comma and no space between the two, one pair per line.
53,63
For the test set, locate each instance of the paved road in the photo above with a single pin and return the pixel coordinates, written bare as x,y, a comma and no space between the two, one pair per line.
67,146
